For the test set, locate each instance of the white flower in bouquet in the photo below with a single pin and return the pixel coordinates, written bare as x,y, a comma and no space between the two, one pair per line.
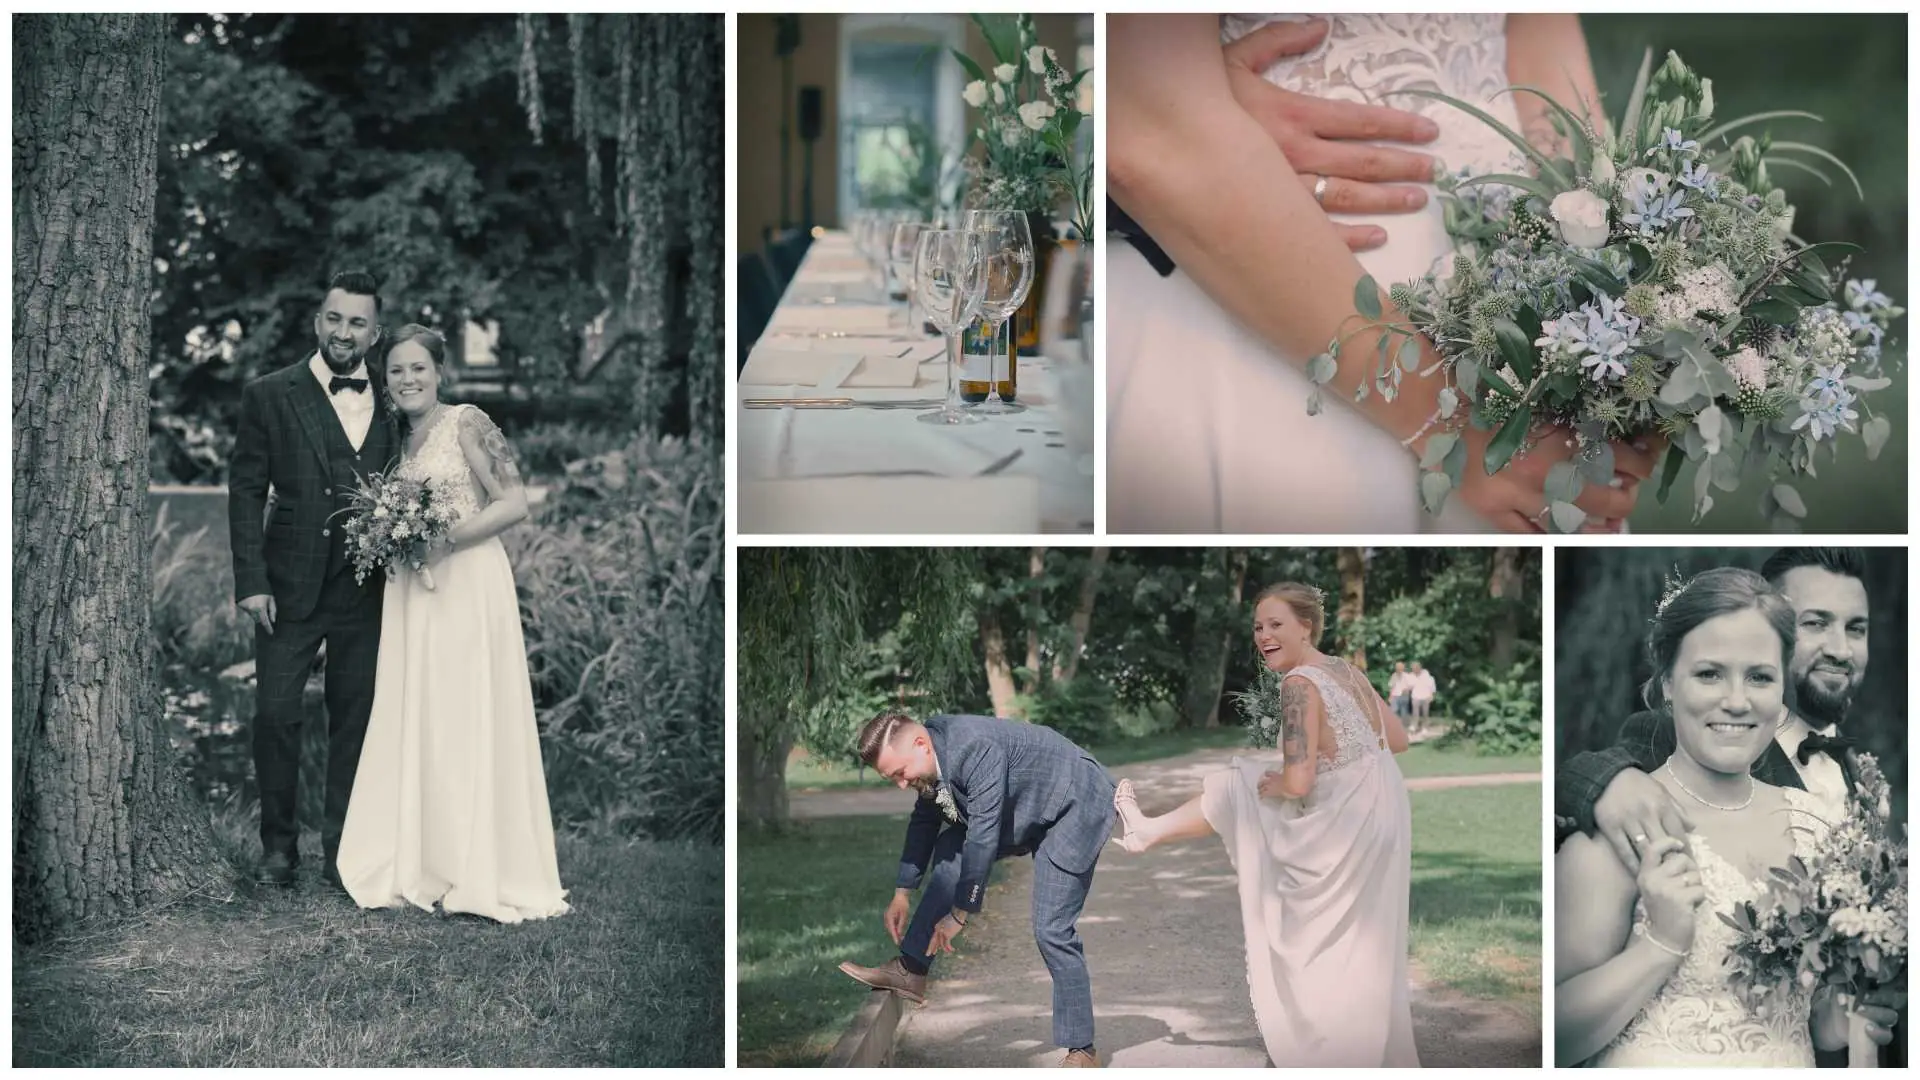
381,511
401,530
975,93
1037,58
1582,218
999,94
1011,136
1035,114
1006,73
1602,171
1748,368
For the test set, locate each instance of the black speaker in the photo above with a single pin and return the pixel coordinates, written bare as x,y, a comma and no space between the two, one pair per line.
809,113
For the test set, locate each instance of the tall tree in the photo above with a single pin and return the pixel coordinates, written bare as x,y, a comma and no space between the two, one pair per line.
1213,643
1081,621
1505,584
1353,605
101,820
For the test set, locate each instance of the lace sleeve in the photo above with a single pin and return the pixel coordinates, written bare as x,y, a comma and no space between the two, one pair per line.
498,469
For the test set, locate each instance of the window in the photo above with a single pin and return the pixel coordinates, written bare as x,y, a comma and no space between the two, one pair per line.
899,94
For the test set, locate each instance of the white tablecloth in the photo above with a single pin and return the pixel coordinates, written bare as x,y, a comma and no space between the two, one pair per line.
813,471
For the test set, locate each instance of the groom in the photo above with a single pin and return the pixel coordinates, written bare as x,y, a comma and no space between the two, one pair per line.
990,789
1609,792
310,433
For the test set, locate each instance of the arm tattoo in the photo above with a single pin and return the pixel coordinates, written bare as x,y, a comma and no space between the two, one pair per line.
493,443
1293,721
1541,134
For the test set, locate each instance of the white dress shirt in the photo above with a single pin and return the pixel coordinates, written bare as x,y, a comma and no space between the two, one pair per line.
1823,776
355,410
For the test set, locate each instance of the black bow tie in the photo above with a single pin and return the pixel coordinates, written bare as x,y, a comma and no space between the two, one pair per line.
1816,743
341,382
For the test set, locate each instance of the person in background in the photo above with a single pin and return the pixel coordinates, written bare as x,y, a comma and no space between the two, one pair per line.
1422,688
1400,690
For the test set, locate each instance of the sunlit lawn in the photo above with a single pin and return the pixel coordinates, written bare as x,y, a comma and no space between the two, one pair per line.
1476,904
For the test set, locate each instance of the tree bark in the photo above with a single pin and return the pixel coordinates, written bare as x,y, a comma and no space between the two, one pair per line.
1505,583
993,643
1036,607
102,821
1353,605
1208,672
1082,621
764,747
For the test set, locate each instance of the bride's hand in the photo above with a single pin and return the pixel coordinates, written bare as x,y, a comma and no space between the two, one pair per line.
1322,138
1670,888
1514,499
1830,1012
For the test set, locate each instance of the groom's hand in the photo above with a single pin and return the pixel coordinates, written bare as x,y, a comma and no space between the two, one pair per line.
1322,138
1635,813
896,915
261,609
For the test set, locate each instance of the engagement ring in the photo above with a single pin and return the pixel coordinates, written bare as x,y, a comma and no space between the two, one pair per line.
1320,191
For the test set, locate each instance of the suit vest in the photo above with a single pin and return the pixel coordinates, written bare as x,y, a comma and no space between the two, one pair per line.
347,469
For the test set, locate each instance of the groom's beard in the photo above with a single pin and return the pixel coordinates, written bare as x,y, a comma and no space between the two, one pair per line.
355,357
1819,706
926,787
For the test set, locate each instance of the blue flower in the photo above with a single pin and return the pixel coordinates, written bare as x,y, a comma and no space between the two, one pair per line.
1602,334
1700,179
1672,141
1862,296
1828,384
1823,415
1655,207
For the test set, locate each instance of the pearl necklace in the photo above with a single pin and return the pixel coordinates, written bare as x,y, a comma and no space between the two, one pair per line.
1744,803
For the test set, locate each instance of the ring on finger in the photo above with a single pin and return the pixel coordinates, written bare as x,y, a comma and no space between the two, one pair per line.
1320,191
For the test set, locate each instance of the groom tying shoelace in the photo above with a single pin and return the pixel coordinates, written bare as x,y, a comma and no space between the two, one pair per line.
991,789
1610,793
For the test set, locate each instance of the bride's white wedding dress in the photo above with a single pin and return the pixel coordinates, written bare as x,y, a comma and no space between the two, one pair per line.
449,804
1207,427
1323,891
1695,1020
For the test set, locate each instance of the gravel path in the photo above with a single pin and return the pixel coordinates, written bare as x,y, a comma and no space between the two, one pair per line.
1163,939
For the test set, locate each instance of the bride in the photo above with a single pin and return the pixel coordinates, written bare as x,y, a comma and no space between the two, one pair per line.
1322,848
449,804
1206,403
1638,960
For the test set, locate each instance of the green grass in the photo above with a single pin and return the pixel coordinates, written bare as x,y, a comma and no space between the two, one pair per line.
811,896
1459,759
1476,904
270,977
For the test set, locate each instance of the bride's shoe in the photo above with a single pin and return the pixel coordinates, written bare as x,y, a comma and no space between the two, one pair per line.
1132,832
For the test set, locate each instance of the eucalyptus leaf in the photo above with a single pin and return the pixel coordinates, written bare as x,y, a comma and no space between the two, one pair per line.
1868,385
1437,449
1313,403
1456,463
1875,434
1567,517
1366,297
1711,421
1682,386
1563,481
1434,489
1410,354
1789,500
1596,465
1322,368
1449,403
1467,374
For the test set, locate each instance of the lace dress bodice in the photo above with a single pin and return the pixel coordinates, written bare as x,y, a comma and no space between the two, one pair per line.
1695,1018
441,463
1352,722
1366,58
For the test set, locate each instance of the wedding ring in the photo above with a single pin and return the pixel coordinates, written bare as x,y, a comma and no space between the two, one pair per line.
1320,191
1639,838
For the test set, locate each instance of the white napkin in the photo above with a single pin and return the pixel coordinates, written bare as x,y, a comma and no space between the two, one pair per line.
833,317
795,367
834,262
887,504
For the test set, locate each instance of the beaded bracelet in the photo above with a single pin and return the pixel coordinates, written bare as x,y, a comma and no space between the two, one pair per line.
1424,428
1647,933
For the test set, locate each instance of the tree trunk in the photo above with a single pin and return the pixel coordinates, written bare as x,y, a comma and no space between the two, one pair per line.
1082,620
1353,605
102,822
1036,608
993,643
764,746
1505,584
1207,678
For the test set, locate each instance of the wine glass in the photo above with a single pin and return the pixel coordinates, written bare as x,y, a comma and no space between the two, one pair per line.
1007,245
949,278
906,238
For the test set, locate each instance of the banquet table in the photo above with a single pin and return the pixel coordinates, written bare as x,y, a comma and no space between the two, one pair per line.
859,466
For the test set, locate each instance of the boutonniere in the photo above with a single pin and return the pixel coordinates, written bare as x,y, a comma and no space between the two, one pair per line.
943,798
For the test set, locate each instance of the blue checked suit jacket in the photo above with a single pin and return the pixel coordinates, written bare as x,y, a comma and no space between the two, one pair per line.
281,446
1020,788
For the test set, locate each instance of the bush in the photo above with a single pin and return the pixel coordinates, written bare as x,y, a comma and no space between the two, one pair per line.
623,604
546,449
1503,716
1079,708
195,621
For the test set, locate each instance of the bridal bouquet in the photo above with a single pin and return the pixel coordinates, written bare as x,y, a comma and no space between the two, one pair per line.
1839,921
1647,284
393,522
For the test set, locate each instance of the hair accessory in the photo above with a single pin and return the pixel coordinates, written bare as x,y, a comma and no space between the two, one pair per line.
1675,586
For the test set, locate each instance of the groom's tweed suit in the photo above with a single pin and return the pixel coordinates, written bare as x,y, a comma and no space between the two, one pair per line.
293,548
1021,789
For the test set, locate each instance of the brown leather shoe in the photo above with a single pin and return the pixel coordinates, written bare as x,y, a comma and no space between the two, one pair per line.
1080,1059
892,975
